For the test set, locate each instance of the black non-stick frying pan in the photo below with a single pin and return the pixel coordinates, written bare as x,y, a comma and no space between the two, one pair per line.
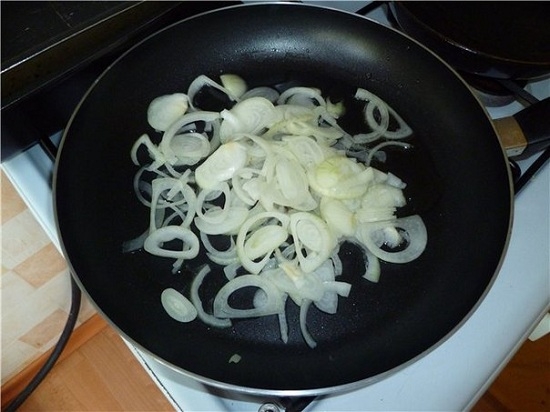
457,174
489,38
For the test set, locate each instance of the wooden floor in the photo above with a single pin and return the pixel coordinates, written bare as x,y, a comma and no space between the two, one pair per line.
100,375
103,375
524,385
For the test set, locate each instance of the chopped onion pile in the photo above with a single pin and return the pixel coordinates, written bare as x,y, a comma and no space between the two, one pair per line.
277,176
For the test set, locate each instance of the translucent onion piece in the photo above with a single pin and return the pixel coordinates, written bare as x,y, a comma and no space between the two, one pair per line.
264,240
339,218
273,302
197,301
268,93
339,177
165,110
306,149
248,116
213,214
283,326
199,82
383,195
416,239
372,272
385,112
134,244
230,252
329,300
177,305
303,325
189,242
248,262
233,220
311,233
166,145
170,187
221,165
288,185
234,84
303,96
190,148
247,185
375,149
154,152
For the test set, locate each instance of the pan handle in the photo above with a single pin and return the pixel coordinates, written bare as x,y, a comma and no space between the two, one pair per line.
527,132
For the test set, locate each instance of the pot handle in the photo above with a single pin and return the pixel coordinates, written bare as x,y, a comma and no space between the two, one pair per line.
527,132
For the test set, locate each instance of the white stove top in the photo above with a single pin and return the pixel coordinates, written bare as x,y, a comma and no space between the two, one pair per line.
452,376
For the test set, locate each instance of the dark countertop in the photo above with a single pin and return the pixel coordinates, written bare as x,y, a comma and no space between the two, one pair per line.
52,51
31,26
43,41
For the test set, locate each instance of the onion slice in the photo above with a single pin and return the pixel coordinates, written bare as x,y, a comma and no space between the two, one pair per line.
197,301
272,302
177,306
189,242
415,237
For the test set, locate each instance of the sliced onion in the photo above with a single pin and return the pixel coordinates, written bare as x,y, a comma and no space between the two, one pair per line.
248,116
273,301
303,324
264,240
311,232
208,212
308,152
375,149
221,165
189,241
302,96
383,196
197,301
339,177
248,262
177,306
268,93
189,148
234,84
281,175
234,218
154,152
201,81
372,272
380,128
230,252
283,326
166,145
134,244
165,110
340,219
416,234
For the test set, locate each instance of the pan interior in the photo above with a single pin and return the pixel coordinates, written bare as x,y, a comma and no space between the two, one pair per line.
458,182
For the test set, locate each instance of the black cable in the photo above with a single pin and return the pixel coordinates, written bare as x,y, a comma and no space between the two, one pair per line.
56,352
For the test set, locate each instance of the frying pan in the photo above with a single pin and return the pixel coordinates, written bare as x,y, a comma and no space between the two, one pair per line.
494,39
457,174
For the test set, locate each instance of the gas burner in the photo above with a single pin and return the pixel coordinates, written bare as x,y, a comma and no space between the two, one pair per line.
491,91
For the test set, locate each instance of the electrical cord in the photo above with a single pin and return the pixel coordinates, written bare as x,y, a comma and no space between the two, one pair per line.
76,296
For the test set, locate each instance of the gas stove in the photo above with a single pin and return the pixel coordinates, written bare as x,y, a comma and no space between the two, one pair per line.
453,375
